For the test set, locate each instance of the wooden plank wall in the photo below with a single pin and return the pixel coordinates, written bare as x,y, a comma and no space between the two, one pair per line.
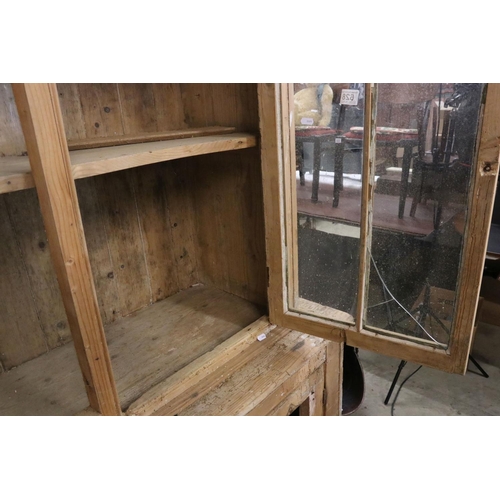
11,135
151,231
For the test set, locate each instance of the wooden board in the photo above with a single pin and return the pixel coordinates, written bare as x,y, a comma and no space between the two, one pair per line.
15,171
142,137
21,335
146,348
275,360
43,129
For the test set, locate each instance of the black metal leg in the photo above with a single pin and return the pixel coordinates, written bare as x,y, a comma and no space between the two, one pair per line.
316,169
339,171
405,174
394,381
478,366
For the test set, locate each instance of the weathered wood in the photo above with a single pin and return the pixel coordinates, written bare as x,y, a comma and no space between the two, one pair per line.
146,349
15,174
96,237
294,392
101,109
314,309
138,108
21,335
43,129
29,234
246,388
168,106
181,206
71,110
98,161
480,208
228,208
333,378
156,230
198,104
272,184
143,137
367,189
167,397
125,241
12,141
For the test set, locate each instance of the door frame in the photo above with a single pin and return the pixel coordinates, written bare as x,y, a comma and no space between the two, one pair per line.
278,172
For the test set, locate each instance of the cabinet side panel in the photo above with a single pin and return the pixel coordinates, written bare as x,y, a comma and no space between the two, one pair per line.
30,236
229,216
21,335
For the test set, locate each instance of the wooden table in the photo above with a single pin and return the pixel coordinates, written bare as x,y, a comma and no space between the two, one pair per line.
395,140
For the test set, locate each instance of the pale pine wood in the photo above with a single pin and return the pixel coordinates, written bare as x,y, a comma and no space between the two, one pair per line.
480,208
289,169
15,174
367,190
304,396
164,399
314,309
246,388
144,137
333,378
272,184
43,129
15,171
146,348
280,254
104,160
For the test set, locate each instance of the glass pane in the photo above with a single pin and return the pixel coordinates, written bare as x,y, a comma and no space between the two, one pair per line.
425,144
329,145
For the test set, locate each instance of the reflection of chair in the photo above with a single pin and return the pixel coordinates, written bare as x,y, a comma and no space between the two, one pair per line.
447,130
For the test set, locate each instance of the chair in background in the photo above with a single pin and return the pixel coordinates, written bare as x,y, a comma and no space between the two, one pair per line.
447,131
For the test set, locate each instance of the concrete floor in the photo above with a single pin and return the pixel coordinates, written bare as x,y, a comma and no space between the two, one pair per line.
431,392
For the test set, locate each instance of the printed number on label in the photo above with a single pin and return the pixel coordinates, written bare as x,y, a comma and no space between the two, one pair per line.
349,97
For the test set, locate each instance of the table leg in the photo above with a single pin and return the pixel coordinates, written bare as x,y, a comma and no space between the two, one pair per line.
339,171
316,170
408,148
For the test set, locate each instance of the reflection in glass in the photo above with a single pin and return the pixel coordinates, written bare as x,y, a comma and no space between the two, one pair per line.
425,144
329,144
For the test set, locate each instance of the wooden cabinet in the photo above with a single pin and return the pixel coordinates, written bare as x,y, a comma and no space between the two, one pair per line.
149,259
132,256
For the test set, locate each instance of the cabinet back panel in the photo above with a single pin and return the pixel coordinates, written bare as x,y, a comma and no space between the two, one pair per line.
32,316
11,135
109,109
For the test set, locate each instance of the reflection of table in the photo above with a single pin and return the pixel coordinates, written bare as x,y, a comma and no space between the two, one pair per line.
319,136
395,140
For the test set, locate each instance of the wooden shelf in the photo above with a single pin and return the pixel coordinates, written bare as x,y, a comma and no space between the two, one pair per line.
146,348
15,173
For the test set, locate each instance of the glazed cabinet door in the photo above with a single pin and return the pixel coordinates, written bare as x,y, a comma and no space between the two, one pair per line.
378,202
